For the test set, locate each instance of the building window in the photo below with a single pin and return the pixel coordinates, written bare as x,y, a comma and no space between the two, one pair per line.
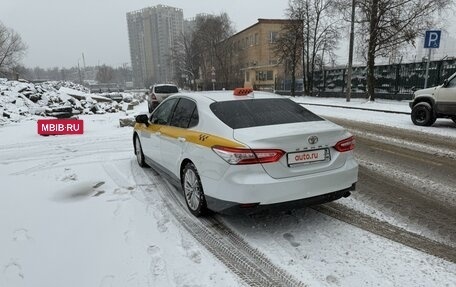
273,37
247,76
257,39
265,76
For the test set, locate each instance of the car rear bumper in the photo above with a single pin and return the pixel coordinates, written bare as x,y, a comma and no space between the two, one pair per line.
258,188
231,208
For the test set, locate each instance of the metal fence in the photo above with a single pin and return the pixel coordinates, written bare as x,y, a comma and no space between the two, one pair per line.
396,81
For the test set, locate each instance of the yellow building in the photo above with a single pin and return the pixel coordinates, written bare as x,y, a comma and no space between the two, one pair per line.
254,46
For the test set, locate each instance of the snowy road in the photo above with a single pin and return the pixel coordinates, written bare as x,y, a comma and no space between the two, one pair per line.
78,211
410,178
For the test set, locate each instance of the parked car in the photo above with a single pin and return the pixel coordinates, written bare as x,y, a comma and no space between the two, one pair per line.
160,92
436,102
243,150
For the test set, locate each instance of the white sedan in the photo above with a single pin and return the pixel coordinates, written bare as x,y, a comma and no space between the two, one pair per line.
242,150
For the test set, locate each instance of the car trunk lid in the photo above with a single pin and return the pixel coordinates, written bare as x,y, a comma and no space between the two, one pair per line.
308,146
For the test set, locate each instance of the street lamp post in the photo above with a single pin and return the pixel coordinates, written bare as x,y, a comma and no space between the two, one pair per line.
350,53
213,78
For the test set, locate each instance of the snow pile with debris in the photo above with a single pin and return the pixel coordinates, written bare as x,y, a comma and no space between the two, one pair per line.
19,101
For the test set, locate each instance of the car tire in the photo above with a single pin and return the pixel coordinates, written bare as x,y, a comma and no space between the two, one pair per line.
139,153
193,190
423,115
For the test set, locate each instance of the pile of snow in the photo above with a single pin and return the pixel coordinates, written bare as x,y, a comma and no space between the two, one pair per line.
20,100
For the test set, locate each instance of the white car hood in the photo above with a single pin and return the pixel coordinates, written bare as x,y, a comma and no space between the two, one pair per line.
426,91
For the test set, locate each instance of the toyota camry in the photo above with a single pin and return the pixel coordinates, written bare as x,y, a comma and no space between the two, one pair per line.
245,150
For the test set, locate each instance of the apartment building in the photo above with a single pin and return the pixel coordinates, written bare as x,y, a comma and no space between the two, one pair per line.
254,46
152,32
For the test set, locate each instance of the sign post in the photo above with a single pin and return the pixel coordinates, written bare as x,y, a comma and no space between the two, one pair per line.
431,40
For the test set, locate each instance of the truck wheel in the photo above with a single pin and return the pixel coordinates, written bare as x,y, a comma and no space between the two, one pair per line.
423,115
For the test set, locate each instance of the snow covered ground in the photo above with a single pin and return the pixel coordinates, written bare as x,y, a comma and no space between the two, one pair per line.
71,215
78,211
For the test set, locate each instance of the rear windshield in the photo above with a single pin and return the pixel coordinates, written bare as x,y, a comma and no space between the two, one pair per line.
261,112
166,89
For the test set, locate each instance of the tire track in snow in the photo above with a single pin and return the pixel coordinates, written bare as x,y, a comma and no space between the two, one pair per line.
249,264
389,231
408,176
61,160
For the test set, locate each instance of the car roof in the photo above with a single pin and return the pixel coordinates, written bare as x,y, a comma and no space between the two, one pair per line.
164,85
222,96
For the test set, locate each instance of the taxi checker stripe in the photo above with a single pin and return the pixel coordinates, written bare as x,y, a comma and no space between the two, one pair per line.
199,138
191,136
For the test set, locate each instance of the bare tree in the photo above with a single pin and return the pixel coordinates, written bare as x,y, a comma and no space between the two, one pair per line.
209,33
199,49
12,48
105,74
122,74
288,48
320,34
387,25
185,57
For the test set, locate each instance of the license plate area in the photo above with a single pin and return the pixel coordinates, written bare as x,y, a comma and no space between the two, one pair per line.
308,157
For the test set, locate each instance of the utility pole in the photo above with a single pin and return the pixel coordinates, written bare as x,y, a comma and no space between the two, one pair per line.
350,52
84,66
79,72
213,78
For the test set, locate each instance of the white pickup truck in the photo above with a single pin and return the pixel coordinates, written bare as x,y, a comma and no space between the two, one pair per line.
436,102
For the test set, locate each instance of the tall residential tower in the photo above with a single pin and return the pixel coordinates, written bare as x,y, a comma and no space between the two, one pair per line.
152,32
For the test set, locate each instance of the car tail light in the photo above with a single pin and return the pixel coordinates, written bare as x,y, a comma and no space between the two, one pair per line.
153,96
345,145
248,156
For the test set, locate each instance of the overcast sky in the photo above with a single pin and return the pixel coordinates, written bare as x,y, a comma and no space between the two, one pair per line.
57,32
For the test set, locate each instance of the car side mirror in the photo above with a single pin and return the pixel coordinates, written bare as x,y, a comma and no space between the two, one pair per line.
445,82
142,119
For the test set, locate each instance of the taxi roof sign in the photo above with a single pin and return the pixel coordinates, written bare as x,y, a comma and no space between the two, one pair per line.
242,91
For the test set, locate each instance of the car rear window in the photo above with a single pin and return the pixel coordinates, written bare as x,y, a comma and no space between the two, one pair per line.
261,112
166,89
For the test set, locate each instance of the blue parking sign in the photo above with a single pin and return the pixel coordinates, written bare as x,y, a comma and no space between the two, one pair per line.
432,39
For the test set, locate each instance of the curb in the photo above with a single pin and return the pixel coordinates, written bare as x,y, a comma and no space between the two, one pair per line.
356,108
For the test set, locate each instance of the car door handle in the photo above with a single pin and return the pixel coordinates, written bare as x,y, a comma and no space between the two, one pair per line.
181,139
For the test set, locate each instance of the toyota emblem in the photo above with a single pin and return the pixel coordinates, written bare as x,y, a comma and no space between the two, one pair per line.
312,139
